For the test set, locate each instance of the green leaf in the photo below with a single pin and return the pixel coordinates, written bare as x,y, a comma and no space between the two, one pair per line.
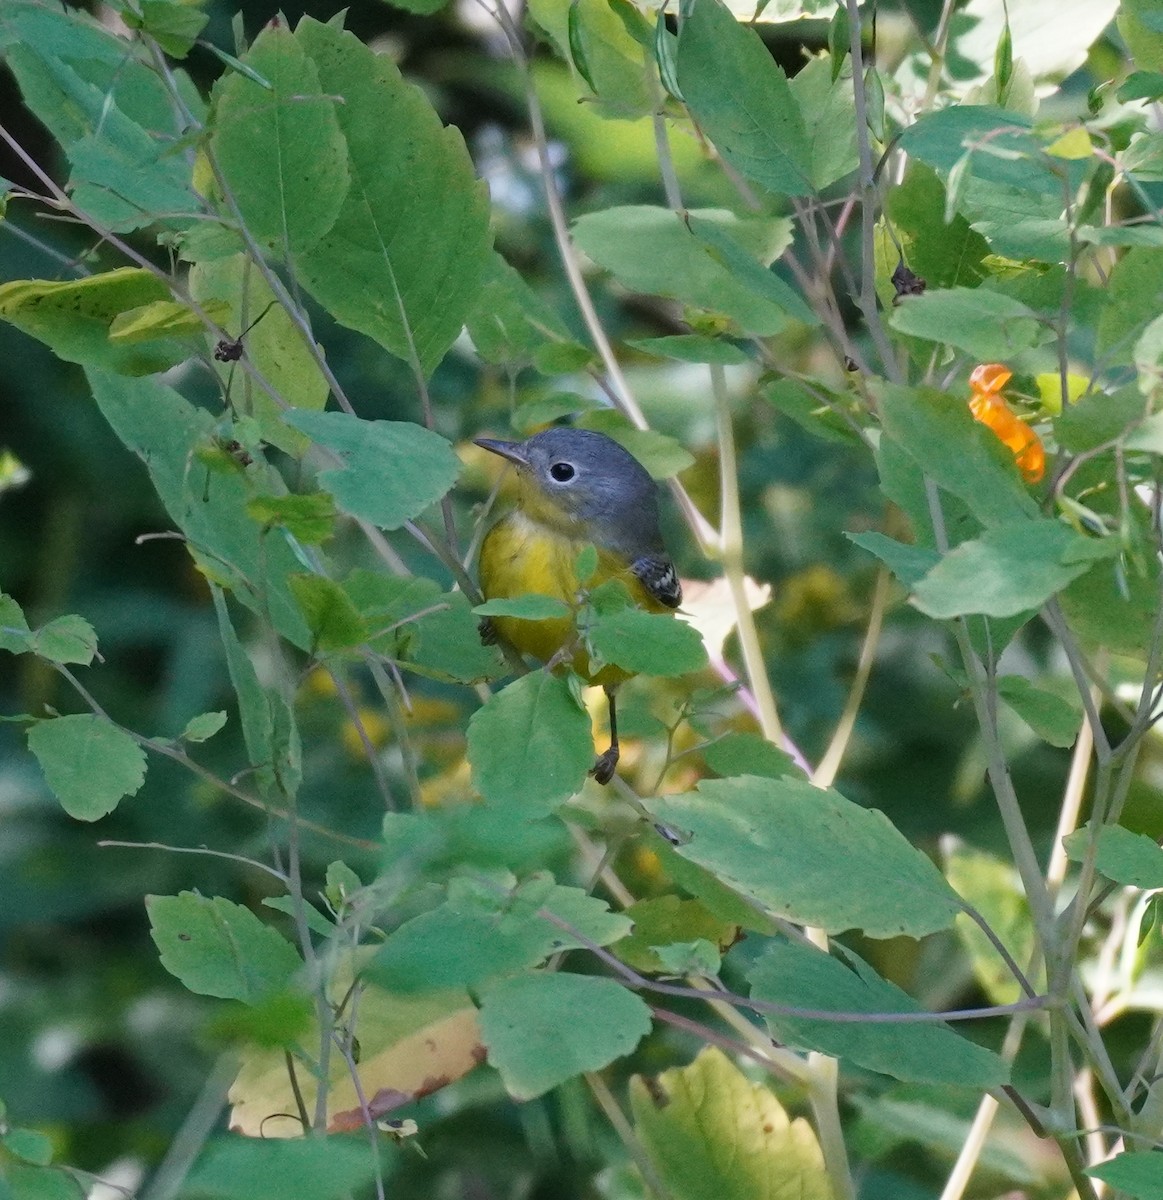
21,1181
391,470
1141,85
647,643
1123,856
334,621
700,957
1003,175
1139,1173
248,1168
526,608
530,744
477,934
1011,569
309,518
531,415
273,344
748,754
993,887
510,321
424,8
165,432
908,563
653,250
544,1028
203,727
829,113
173,24
280,148
909,1115
1112,608
268,724
74,318
30,1145
218,948
982,322
778,842
61,33
692,347
743,265
664,921
587,563
15,636
114,118
1051,716
713,1134
609,58
89,763
945,255
404,260
939,433
1134,298
1147,436
159,319
1148,359
922,1052
316,921
806,405
742,101
1098,418
68,639
435,632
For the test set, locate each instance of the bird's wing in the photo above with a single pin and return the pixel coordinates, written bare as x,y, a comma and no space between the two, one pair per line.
658,576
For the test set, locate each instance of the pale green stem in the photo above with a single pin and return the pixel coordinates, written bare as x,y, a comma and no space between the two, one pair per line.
731,554
825,774
823,1091
974,1142
626,1134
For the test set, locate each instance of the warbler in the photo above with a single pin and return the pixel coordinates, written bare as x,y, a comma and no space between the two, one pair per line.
576,488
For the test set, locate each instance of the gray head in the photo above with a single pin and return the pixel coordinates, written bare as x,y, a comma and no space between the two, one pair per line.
585,481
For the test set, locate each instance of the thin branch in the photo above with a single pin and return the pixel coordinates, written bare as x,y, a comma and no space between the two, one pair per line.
825,774
626,1135
180,756
240,858
731,552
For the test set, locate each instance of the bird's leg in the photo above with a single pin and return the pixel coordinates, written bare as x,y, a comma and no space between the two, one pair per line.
603,769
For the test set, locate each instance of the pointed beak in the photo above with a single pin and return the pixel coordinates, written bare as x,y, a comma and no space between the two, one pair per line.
513,451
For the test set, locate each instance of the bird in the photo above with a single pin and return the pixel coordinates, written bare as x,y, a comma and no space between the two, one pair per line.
575,488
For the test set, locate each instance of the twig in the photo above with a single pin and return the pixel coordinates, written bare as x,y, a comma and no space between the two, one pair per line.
626,1134
731,552
825,774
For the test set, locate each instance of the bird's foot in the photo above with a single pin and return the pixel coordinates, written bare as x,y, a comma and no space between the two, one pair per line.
607,763
487,631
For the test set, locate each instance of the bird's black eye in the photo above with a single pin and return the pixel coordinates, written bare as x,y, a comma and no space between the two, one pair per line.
563,472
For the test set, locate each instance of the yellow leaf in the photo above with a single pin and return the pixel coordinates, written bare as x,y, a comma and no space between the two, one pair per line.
1050,390
712,1134
1074,143
162,318
409,1046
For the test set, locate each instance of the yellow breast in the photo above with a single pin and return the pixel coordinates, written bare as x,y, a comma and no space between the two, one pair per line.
521,556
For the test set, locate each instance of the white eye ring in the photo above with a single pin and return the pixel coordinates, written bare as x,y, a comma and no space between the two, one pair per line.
561,472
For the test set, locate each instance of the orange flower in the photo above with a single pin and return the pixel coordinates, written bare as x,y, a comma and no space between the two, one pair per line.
988,406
